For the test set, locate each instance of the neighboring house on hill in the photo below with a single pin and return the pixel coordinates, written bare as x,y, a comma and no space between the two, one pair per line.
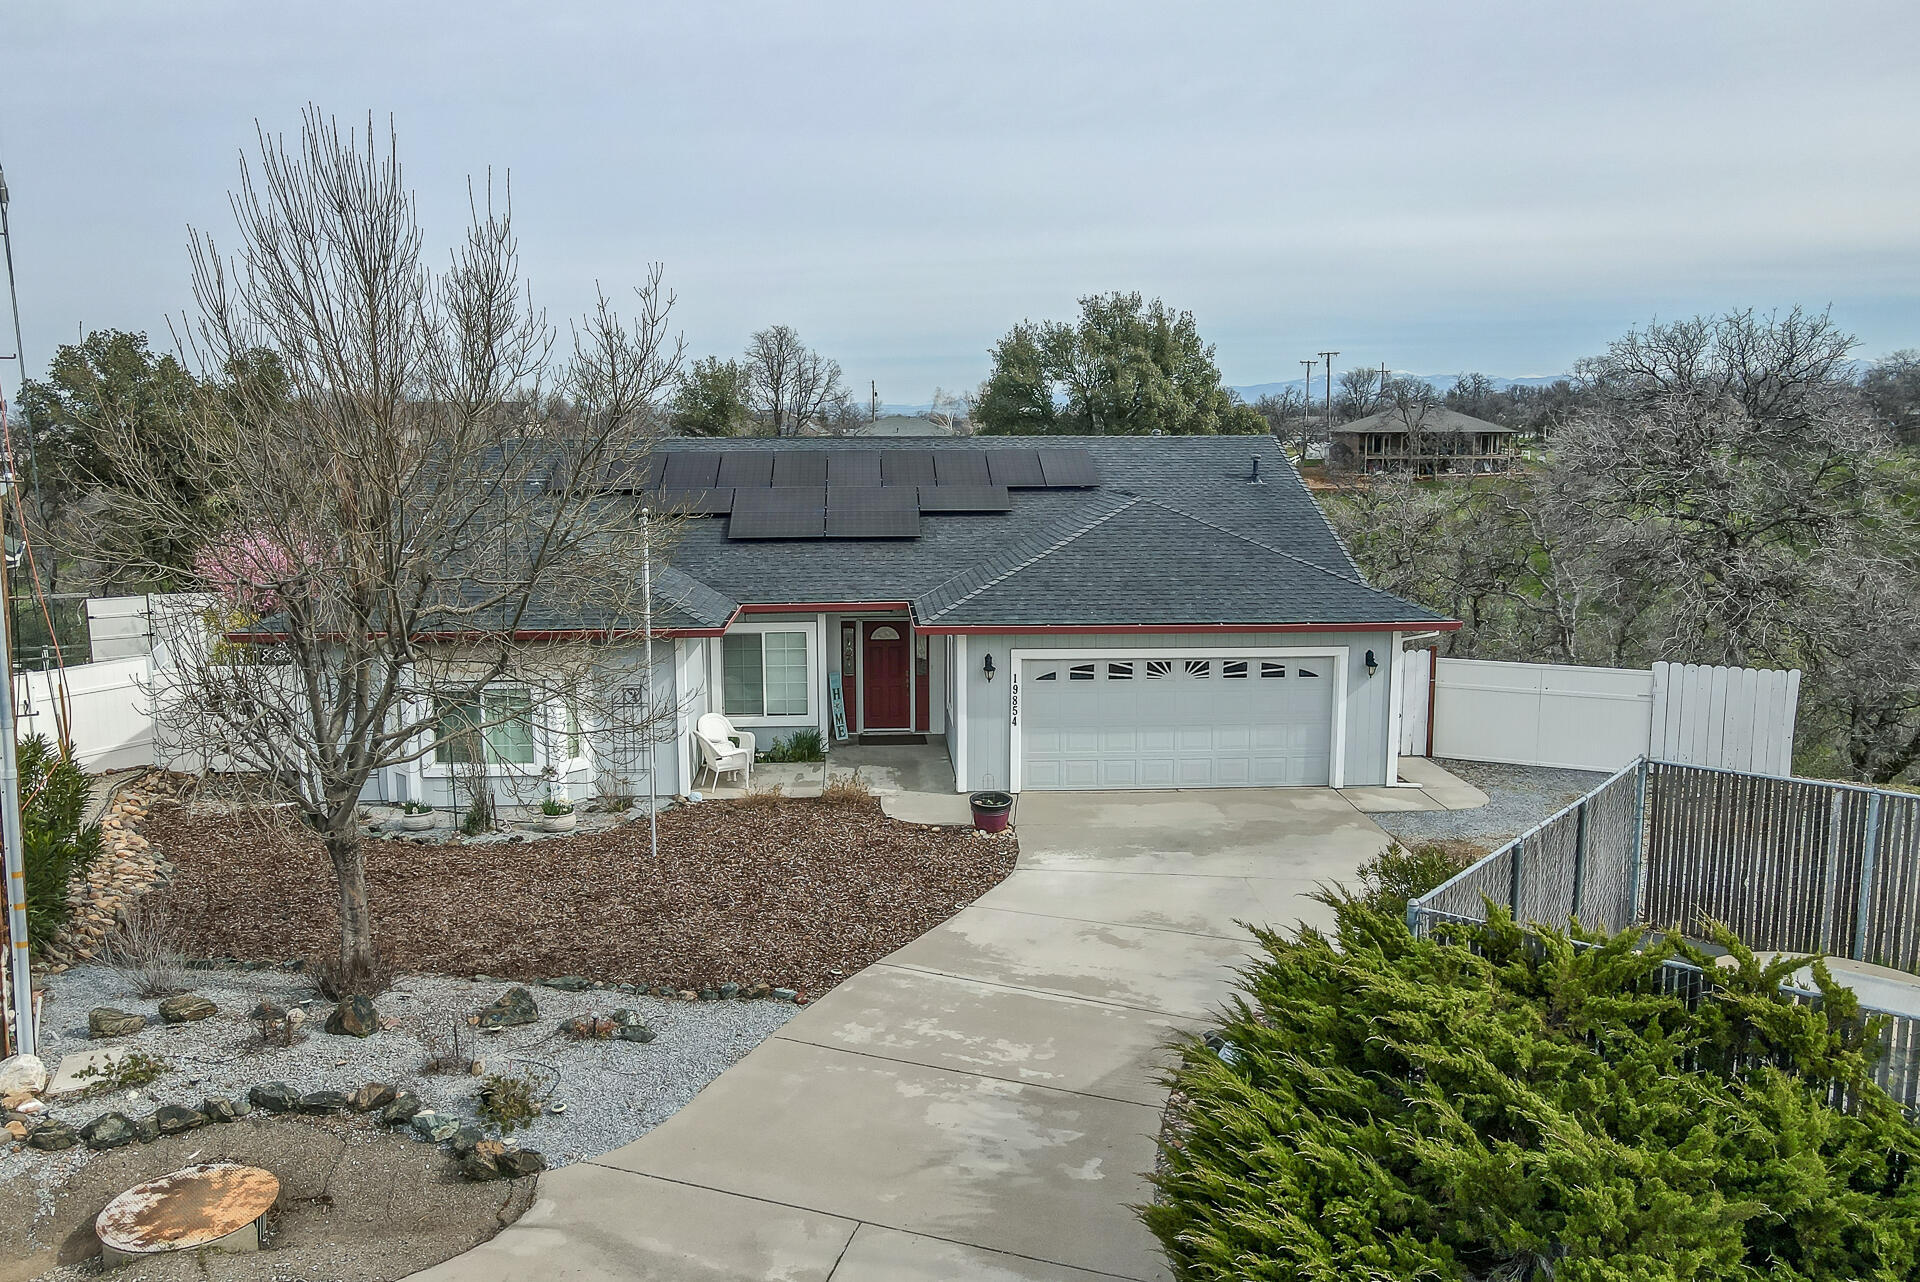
1094,612
899,425
1428,441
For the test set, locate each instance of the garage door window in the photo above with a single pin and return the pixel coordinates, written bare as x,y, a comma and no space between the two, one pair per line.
1158,668
1080,672
1270,669
1119,672
1233,669
1199,669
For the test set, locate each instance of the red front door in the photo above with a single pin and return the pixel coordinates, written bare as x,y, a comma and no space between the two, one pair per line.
883,688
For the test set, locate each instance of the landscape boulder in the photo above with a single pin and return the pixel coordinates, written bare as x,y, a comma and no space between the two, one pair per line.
109,1130
371,1096
50,1137
106,1021
146,1129
513,1007
465,1140
435,1126
22,1075
569,983
173,1119
319,1102
516,1162
402,1110
628,1026
274,1097
219,1108
354,1017
184,1008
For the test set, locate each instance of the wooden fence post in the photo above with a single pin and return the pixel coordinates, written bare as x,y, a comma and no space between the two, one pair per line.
1868,854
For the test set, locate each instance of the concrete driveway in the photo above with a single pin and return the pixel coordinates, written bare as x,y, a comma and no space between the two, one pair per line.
980,1104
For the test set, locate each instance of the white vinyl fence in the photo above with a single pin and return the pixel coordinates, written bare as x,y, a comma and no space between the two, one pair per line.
107,710
1579,718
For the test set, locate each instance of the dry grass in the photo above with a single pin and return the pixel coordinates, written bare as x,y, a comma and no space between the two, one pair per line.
850,790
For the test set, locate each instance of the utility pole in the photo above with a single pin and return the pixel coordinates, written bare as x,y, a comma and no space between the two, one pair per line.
1328,357
873,411
26,1039
1306,407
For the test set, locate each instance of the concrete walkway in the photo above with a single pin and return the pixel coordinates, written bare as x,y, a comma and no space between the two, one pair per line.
980,1104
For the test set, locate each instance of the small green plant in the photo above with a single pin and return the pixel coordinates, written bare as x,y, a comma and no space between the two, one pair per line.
1398,873
801,745
416,808
510,1102
479,816
556,806
58,847
134,1069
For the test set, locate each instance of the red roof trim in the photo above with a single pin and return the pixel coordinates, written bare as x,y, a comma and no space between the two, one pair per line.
1448,625
817,607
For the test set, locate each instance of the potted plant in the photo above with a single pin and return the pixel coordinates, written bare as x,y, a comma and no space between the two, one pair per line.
417,816
991,810
556,814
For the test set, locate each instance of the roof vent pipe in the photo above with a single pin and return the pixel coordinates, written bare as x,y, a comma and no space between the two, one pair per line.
1255,478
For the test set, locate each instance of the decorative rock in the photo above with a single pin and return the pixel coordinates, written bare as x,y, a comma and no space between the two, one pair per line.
173,1119
465,1140
109,1130
401,1111
784,994
568,983
147,1129
106,1021
515,1006
709,994
729,991
628,1026
50,1137
435,1127
761,989
319,1102
184,1008
371,1096
274,1097
478,1167
516,1162
218,1108
354,1017
22,1075
687,995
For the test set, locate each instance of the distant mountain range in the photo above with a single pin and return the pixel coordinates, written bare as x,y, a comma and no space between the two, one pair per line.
1254,391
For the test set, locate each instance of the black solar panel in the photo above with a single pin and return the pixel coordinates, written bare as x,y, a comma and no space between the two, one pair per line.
709,502
789,512
631,475
800,467
853,467
1017,468
960,467
965,498
686,470
873,512
745,470
907,467
1068,468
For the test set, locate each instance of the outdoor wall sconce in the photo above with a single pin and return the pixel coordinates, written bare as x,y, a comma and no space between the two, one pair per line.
986,666
1373,664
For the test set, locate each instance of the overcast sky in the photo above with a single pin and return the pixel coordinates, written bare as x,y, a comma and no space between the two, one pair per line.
1441,186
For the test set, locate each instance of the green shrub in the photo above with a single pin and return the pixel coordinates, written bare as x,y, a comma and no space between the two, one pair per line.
53,801
1399,873
801,745
1385,1107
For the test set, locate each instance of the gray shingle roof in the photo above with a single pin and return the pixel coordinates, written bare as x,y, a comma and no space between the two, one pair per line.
1436,419
1175,534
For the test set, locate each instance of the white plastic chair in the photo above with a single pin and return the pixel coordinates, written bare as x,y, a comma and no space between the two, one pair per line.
723,749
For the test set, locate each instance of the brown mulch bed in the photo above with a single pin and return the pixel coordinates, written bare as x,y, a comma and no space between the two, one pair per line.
795,893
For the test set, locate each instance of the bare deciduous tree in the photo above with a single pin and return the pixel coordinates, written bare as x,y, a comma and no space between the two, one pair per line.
790,384
418,509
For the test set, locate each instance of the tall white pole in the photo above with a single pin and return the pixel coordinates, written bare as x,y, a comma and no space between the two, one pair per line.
25,1036
646,614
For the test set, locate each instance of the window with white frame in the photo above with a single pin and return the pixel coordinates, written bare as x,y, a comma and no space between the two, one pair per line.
501,718
764,674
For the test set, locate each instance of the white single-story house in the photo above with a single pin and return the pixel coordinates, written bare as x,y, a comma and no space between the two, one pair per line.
1061,613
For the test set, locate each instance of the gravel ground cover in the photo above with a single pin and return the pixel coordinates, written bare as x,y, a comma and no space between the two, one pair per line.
1518,797
795,893
613,1091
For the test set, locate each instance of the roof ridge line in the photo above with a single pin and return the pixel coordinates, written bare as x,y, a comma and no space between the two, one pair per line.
1248,538
1042,555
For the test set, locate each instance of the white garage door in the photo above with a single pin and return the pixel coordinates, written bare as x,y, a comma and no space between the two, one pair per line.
1184,721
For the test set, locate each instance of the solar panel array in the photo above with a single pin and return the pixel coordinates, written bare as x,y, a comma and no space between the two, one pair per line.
844,493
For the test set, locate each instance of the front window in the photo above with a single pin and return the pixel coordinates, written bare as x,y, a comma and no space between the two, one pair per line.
764,674
503,719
